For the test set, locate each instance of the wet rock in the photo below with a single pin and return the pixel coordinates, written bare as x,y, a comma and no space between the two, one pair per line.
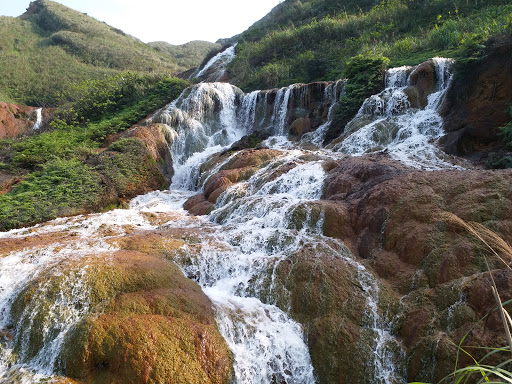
423,83
198,205
254,140
239,168
299,127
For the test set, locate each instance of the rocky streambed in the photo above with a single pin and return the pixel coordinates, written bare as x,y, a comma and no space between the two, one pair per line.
285,262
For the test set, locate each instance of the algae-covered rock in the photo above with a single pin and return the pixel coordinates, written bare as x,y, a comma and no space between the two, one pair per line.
128,316
319,284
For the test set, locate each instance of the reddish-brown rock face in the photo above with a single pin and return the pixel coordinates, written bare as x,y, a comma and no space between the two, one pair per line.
478,102
15,119
423,83
239,168
438,268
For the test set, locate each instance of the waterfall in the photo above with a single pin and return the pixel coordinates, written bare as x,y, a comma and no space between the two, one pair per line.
386,122
251,231
386,349
217,65
39,119
200,122
331,96
281,110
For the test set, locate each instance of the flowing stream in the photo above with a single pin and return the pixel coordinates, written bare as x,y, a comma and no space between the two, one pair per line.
254,221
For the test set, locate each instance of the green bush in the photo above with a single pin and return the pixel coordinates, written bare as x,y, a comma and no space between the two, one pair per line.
365,77
506,131
315,45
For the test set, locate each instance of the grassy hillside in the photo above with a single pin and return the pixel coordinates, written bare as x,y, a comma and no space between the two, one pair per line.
188,55
303,41
51,45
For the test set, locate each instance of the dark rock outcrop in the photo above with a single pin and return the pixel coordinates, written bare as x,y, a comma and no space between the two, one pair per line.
423,83
478,100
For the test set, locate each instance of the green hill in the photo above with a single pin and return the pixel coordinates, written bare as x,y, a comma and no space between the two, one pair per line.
51,46
188,55
303,41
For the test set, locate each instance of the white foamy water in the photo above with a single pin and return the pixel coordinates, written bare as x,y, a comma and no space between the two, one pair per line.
255,226
386,122
217,65
39,119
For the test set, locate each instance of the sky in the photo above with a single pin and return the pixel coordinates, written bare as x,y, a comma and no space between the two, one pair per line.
173,21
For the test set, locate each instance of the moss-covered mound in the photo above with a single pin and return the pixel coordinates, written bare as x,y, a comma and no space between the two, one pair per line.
139,319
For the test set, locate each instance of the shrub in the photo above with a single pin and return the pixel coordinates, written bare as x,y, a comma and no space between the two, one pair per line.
365,77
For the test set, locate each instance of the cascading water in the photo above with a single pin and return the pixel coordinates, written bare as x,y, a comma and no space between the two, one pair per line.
331,95
281,110
387,122
39,119
252,229
215,68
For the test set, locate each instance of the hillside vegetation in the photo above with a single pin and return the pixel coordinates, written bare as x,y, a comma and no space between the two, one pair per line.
188,55
51,46
64,171
304,41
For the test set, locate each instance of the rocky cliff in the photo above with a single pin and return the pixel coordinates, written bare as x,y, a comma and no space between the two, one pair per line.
479,99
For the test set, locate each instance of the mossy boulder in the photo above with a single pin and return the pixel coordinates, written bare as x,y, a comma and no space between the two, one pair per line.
137,318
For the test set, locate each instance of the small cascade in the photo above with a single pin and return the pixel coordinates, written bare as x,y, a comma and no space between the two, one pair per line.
387,351
53,309
397,77
215,69
386,122
201,122
331,95
39,119
278,121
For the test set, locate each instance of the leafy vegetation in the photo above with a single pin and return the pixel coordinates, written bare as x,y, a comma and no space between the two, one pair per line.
319,44
365,77
188,55
89,112
65,159
58,189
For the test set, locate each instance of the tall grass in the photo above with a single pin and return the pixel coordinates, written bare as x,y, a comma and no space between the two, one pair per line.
479,371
